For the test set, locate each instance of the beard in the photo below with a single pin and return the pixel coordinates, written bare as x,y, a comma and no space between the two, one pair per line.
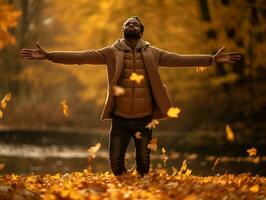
130,34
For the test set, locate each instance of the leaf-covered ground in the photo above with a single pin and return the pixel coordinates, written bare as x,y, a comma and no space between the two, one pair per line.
157,185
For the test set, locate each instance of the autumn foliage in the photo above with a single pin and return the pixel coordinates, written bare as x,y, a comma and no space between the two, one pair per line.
157,185
8,19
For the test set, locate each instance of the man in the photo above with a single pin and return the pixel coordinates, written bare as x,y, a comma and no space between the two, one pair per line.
141,101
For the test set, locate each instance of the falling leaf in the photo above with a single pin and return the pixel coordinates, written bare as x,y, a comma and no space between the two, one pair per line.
163,150
152,124
216,162
138,135
65,108
1,114
153,144
229,133
183,167
188,172
164,157
135,77
173,112
174,171
118,90
6,99
254,188
200,69
94,149
252,151
2,166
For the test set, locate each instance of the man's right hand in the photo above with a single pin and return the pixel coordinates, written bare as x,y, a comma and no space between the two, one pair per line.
39,53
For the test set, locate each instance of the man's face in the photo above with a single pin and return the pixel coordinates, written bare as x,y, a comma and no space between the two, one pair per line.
132,29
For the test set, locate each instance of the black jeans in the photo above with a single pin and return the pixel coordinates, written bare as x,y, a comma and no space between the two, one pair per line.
121,132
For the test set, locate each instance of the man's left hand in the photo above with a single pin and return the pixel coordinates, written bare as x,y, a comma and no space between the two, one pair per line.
231,57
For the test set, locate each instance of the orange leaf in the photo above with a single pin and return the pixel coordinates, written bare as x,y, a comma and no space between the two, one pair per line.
254,188
1,114
152,124
252,151
138,135
65,108
153,144
6,99
200,69
229,133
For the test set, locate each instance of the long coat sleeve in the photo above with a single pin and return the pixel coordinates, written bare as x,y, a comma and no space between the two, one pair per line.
79,57
170,59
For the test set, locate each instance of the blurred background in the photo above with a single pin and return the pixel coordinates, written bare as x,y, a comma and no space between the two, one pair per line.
229,94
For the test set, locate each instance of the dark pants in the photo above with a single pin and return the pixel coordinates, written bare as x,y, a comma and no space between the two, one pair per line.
121,132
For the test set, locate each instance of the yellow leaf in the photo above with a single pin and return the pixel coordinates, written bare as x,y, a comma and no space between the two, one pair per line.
1,114
118,90
6,99
254,188
200,69
252,151
153,144
188,172
135,77
183,167
152,124
229,133
65,108
94,149
163,150
173,112
165,157
138,135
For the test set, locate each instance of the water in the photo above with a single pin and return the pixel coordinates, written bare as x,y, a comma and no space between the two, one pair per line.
41,159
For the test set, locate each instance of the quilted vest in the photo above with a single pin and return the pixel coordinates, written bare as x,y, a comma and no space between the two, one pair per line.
136,102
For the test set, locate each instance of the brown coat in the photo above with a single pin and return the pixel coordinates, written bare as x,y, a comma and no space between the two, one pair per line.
113,57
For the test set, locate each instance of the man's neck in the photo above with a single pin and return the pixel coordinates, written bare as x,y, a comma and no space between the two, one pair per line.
132,42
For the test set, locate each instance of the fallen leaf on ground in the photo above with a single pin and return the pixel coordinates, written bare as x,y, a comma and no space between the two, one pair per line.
254,188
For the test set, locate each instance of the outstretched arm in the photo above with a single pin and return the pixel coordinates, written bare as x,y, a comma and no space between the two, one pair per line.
169,59
66,57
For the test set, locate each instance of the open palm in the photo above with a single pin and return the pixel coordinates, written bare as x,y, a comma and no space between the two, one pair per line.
39,53
231,57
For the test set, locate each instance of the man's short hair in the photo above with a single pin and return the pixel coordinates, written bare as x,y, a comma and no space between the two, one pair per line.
141,25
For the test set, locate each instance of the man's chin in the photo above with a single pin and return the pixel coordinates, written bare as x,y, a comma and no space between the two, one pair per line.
128,37
132,35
